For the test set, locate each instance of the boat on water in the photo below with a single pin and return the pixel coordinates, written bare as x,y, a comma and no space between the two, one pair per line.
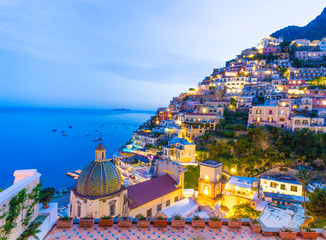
100,139
95,140
70,127
64,134
54,130
62,131
87,135
73,175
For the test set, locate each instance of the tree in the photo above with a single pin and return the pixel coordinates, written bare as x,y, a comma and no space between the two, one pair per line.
316,207
318,81
233,103
261,99
304,176
244,210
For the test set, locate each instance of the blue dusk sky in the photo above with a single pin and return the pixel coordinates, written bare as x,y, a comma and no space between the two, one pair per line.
134,54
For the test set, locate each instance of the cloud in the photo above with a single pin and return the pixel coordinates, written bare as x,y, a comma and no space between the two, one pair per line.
57,52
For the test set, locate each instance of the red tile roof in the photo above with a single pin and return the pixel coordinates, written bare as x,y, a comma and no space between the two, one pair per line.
147,191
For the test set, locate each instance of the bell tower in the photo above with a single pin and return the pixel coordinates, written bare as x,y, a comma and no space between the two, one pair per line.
100,152
210,183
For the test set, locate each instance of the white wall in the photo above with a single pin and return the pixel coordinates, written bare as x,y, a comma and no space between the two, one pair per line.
24,179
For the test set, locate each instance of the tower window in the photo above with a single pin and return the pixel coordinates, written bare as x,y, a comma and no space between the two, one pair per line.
112,209
102,155
206,190
78,210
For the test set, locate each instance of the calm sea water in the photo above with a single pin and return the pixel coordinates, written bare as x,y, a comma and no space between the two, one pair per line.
27,140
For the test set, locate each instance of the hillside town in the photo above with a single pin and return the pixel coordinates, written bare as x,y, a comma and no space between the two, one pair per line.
245,148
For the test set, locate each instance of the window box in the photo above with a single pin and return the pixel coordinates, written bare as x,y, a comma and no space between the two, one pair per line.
178,223
143,223
158,222
64,223
198,223
311,234
235,223
105,222
287,234
86,222
124,222
214,224
255,225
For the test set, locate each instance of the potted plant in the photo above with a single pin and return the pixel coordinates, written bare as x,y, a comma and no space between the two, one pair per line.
287,234
105,221
46,196
255,225
143,221
215,222
160,222
124,222
197,221
177,221
86,222
234,222
308,233
64,222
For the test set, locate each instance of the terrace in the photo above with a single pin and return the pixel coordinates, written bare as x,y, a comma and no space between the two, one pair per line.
119,233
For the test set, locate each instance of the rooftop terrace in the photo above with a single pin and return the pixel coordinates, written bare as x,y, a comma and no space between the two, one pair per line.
119,233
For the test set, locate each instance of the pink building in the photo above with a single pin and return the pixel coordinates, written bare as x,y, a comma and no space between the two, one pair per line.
237,66
304,55
269,49
319,102
317,92
296,83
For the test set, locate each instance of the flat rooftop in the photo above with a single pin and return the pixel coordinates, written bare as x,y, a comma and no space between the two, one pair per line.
119,233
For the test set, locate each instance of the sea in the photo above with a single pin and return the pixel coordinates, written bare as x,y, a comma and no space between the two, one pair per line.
27,140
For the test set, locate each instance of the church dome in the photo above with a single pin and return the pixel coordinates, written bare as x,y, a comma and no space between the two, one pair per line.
99,178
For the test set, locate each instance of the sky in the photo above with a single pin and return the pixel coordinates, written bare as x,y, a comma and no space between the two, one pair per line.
127,54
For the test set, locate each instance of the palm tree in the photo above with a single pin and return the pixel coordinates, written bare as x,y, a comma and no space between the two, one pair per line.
304,176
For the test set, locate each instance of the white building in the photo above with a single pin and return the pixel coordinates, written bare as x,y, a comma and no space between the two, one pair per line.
283,186
269,41
316,125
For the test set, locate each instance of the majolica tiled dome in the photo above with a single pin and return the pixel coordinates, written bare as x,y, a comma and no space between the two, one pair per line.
99,179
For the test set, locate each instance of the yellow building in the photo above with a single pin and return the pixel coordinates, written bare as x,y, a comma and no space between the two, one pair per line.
180,151
210,183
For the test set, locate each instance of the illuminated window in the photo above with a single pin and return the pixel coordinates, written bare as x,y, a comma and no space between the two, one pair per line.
294,188
206,190
273,184
206,177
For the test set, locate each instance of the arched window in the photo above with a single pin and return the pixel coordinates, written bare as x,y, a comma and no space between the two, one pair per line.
305,122
297,122
206,190
112,208
78,210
